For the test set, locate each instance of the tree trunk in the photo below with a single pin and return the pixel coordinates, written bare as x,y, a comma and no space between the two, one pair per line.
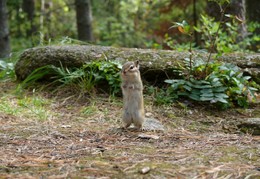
239,9
253,14
84,20
29,8
42,14
4,31
253,10
195,23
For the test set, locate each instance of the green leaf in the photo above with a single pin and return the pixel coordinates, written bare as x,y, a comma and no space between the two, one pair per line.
229,15
194,97
205,91
202,86
169,81
236,90
182,93
207,95
187,87
247,77
3,64
232,73
217,84
222,100
196,91
199,82
252,88
214,80
197,29
205,98
220,95
240,75
219,89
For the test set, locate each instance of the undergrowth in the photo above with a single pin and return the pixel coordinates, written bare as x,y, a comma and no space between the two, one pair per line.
85,79
211,81
224,85
203,81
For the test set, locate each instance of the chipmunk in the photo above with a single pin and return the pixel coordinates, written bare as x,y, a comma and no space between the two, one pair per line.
132,87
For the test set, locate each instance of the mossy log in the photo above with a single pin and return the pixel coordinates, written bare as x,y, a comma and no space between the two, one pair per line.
155,64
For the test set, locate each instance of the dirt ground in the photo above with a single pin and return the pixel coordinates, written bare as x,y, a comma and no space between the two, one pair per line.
62,135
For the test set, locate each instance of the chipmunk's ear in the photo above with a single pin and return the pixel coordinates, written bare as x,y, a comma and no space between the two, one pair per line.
137,64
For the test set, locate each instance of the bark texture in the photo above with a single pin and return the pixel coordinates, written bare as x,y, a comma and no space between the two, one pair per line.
4,31
84,20
155,64
29,8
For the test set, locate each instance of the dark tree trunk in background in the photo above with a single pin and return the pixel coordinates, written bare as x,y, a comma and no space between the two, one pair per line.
195,22
29,8
84,20
237,8
4,31
253,10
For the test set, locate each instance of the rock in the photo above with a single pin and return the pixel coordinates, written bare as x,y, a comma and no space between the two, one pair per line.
148,136
152,124
254,72
155,64
145,170
250,125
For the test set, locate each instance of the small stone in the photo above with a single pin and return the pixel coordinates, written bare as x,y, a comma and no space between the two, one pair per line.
148,114
147,136
152,124
145,170
66,126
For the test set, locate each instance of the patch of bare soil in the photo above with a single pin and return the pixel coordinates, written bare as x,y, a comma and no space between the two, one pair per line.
79,138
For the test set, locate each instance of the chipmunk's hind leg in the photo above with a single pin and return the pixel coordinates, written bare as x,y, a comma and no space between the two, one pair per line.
138,120
127,119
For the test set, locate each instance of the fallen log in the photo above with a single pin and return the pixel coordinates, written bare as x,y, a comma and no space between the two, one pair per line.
156,64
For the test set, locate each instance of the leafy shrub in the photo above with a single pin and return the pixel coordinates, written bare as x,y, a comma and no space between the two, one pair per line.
6,70
85,78
224,85
226,38
253,38
106,71
161,96
7,66
213,82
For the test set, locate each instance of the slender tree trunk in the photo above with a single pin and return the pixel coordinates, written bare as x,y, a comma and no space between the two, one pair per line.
4,31
253,10
84,20
18,22
196,35
239,9
253,15
42,14
29,9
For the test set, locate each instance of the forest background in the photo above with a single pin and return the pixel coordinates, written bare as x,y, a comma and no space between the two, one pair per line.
62,129
128,23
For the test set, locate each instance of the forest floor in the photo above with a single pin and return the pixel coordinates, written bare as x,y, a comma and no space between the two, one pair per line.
62,135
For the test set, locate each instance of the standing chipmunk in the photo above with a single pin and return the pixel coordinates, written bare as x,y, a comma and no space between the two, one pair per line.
132,87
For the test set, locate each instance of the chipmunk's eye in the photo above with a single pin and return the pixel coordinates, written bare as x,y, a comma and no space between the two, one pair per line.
131,67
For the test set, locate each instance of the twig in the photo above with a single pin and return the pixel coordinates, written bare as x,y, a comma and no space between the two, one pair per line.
222,11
